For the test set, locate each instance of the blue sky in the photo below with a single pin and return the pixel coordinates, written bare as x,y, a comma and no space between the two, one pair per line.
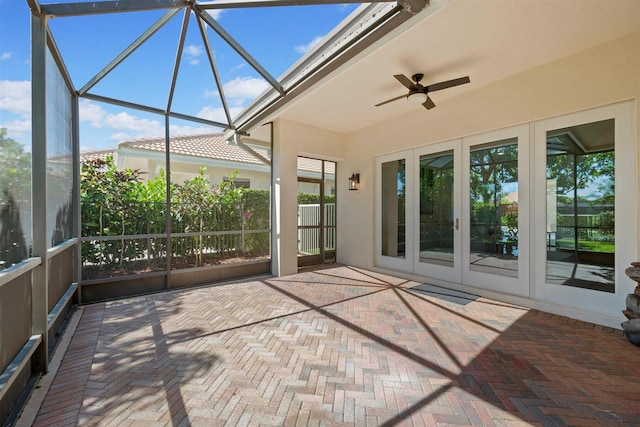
276,37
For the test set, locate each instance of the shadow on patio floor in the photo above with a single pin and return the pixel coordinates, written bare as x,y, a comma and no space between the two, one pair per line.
339,346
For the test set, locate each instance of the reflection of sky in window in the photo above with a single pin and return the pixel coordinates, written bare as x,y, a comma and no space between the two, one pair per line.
510,190
597,188
401,176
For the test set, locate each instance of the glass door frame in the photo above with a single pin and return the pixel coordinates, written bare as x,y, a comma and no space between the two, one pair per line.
532,216
626,209
461,272
396,263
510,285
314,259
442,272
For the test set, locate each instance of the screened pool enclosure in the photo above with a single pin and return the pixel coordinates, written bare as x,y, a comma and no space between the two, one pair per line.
79,227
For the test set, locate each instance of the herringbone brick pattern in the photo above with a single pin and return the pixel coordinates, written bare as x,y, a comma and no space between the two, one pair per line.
339,346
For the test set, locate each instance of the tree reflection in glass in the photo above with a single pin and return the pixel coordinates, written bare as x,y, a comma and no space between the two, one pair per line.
493,193
393,208
436,209
580,206
15,201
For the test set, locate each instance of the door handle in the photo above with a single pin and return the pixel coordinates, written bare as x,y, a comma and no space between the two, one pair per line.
457,224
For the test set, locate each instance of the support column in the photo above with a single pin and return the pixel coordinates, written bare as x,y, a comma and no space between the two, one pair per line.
284,201
167,153
76,208
40,279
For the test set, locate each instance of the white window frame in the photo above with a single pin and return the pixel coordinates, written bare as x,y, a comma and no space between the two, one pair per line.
396,263
626,209
450,274
508,285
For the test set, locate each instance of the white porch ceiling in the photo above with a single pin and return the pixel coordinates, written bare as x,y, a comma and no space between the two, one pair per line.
487,40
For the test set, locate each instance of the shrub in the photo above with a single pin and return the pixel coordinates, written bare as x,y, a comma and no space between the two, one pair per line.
117,203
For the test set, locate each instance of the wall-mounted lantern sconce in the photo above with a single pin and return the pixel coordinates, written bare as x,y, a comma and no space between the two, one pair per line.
354,181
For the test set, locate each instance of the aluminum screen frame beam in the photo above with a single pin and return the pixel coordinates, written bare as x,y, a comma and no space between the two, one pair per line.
294,83
154,110
274,3
214,69
251,119
114,6
130,49
39,239
176,64
239,49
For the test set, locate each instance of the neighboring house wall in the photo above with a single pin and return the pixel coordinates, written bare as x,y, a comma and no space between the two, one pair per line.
150,164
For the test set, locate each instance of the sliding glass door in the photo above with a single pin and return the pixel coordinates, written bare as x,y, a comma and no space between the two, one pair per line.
555,223
316,211
586,234
456,211
496,206
394,235
438,211
468,208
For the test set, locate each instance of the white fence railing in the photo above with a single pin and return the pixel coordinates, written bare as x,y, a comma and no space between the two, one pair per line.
309,238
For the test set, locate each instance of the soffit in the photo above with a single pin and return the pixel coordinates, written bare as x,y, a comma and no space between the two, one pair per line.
488,41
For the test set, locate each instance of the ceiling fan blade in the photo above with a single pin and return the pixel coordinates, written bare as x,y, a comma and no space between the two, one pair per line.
428,104
391,100
406,81
447,84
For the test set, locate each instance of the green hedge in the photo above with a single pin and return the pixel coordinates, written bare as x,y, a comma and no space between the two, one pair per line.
312,199
117,203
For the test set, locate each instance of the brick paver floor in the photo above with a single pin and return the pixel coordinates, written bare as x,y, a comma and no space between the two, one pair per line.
339,346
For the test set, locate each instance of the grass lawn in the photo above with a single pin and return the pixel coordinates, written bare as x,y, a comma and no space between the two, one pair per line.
588,245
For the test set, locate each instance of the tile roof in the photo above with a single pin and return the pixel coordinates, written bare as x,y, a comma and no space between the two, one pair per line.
96,155
210,146
315,165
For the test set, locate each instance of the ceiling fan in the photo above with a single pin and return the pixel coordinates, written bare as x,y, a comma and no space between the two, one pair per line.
418,94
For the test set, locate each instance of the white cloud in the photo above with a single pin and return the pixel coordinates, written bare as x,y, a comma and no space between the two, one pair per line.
120,136
17,129
15,97
237,68
5,55
244,88
215,13
86,148
98,117
90,112
126,121
240,89
190,130
193,52
210,93
304,48
153,129
128,126
217,113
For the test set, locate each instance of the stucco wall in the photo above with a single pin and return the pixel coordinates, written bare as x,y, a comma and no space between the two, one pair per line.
599,76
